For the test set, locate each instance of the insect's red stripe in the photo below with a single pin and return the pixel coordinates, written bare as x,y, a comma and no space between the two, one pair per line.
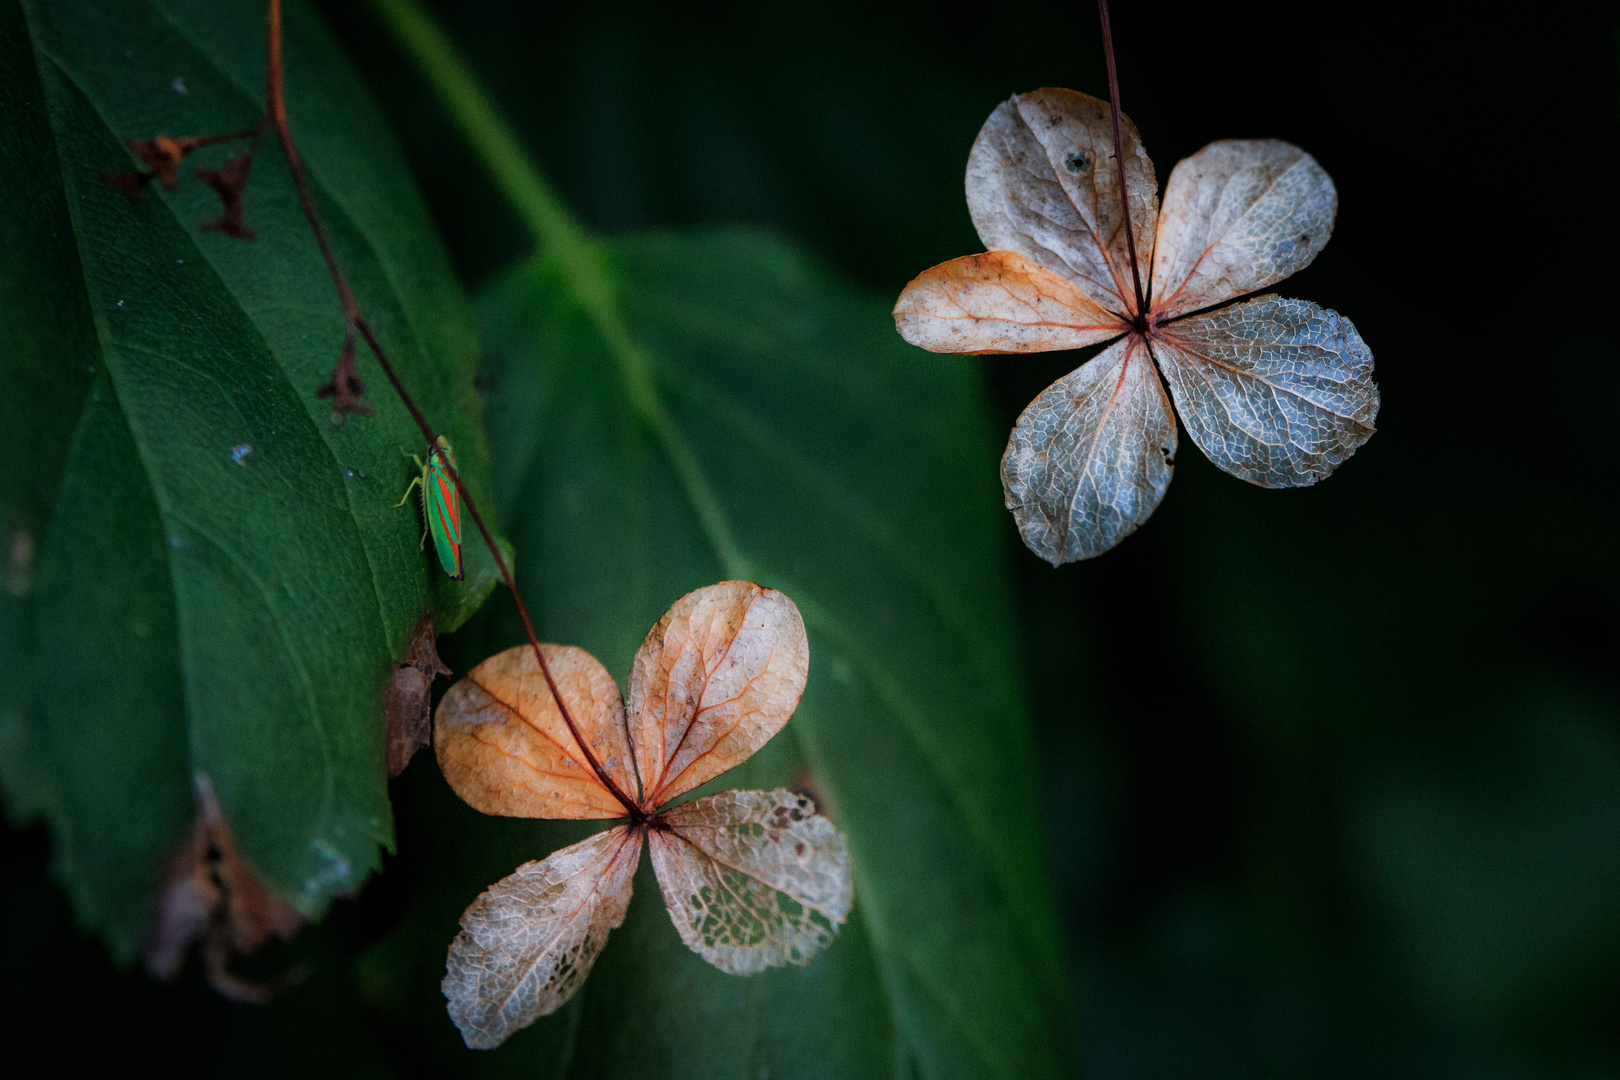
447,508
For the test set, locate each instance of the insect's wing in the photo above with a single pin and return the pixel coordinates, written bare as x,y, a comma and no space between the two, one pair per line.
999,302
753,879
443,506
1278,392
1089,459
1239,215
528,942
1042,181
503,745
717,676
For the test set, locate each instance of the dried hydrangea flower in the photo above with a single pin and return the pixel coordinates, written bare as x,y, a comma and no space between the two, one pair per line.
1275,391
752,879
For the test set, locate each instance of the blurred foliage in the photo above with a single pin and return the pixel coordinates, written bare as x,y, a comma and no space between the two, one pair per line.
1331,778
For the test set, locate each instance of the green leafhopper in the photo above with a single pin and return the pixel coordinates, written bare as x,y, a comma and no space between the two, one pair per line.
441,507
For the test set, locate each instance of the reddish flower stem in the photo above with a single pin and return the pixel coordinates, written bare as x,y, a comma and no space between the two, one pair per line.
276,110
1119,156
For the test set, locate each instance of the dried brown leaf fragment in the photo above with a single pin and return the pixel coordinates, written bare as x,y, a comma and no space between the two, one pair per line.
213,897
131,184
408,705
162,155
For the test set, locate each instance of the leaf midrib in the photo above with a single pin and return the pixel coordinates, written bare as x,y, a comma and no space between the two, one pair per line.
638,383
839,500
637,375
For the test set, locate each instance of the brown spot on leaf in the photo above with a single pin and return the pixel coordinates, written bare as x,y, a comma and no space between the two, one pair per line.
131,184
229,181
212,895
344,386
806,784
408,705
163,154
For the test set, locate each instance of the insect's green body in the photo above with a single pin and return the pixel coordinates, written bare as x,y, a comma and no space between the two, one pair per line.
440,505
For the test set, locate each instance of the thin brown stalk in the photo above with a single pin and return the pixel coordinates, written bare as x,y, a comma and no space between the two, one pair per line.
1119,156
276,110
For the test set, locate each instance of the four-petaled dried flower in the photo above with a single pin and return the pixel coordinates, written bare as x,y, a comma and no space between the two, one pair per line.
752,879
1275,391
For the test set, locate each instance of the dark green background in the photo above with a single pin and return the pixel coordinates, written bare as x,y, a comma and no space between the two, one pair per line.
1331,777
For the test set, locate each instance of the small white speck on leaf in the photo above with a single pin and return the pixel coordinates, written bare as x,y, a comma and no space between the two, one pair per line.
239,452
20,562
179,85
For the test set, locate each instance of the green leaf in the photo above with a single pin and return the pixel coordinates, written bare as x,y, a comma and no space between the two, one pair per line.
752,417
205,574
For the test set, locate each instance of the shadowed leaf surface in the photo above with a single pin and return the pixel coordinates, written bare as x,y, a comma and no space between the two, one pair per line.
789,390
218,582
